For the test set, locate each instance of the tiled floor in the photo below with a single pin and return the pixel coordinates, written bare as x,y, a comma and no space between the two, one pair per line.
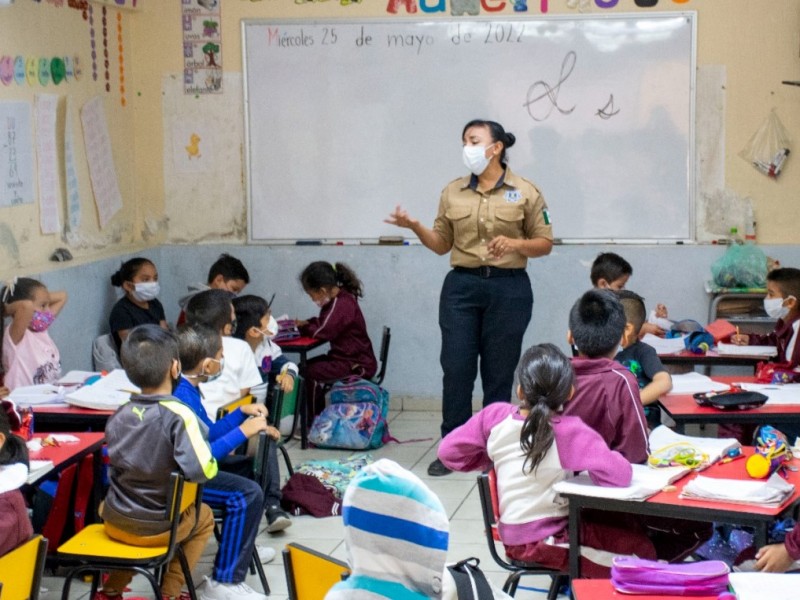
457,491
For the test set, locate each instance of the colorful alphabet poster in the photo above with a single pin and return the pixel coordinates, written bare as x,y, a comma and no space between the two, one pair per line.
202,46
16,154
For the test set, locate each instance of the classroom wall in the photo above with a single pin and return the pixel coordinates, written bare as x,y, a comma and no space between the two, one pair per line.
165,211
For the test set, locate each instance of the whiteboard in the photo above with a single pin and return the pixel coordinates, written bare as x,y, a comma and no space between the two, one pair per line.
345,120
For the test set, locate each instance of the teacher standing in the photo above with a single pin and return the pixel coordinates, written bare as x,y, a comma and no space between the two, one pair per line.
491,222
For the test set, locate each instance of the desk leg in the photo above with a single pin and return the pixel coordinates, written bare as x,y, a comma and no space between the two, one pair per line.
303,405
574,540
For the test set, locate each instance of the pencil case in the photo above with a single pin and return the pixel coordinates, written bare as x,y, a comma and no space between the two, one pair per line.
631,575
731,400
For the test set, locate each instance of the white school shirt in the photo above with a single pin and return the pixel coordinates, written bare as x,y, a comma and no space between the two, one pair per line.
240,372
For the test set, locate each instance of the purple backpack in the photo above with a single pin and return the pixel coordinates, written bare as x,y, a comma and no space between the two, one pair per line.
639,576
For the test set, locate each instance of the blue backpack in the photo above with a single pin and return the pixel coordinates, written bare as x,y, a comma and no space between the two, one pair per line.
355,418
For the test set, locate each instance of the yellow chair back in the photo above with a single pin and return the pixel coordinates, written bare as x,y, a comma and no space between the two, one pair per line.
310,574
21,570
234,404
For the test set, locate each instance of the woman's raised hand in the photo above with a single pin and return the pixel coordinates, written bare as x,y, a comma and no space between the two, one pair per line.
400,218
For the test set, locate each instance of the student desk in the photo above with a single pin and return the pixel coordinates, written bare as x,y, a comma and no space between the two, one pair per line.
68,454
302,346
669,505
711,359
683,409
69,418
601,589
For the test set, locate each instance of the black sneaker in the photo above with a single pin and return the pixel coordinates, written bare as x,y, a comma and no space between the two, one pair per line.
277,519
437,469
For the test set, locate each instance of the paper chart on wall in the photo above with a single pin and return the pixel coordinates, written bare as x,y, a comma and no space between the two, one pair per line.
73,187
96,138
50,199
16,154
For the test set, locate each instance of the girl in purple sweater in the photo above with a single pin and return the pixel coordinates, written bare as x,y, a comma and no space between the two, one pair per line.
335,288
532,447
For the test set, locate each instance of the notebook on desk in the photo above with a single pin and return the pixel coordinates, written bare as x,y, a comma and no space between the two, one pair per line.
724,349
645,482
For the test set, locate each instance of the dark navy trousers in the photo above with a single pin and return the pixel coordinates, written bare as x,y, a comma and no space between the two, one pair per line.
483,320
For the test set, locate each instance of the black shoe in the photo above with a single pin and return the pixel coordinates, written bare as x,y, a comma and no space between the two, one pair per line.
277,519
437,469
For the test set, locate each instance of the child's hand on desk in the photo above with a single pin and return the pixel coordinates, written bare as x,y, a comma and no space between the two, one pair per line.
652,329
300,322
253,426
255,410
773,559
740,339
661,311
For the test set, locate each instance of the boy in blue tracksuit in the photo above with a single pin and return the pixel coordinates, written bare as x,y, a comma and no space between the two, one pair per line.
241,498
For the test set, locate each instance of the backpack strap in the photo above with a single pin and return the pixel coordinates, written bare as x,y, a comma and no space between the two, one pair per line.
471,583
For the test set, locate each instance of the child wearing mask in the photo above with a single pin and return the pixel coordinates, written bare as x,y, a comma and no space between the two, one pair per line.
30,356
335,288
138,278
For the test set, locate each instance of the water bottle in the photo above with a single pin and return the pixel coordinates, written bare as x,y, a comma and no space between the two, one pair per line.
749,225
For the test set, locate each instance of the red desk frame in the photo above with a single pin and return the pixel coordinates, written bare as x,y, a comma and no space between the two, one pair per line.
302,346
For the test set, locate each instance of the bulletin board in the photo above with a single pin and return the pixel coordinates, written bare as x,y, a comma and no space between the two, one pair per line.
346,120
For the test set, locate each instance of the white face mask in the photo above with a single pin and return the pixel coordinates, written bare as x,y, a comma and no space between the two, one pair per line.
774,307
271,330
475,159
146,291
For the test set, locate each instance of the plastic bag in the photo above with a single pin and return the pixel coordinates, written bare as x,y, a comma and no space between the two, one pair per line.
768,149
742,265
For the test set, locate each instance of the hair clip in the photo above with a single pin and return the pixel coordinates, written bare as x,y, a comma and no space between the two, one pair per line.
8,290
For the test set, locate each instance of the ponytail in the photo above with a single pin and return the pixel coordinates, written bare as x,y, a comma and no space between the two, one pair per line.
546,378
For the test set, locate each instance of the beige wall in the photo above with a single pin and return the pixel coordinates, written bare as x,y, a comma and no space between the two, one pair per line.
758,42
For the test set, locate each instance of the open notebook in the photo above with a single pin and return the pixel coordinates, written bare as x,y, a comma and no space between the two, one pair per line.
715,448
107,393
646,482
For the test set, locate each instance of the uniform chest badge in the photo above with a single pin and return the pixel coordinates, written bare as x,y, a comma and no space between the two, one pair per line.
513,196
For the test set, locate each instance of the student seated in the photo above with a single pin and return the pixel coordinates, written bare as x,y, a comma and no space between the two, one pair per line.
242,499
141,459
138,278
532,447
336,290
227,273
256,326
30,356
15,526
642,359
606,393
781,303
213,308
396,533
611,272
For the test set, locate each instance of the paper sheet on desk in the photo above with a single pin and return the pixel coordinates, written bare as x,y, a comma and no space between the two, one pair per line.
772,492
724,349
107,393
663,436
779,394
37,395
693,383
38,468
646,482
664,345
761,586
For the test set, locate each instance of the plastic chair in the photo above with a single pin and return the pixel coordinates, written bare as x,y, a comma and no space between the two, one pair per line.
310,574
285,405
260,476
104,353
231,406
21,570
487,489
383,356
95,551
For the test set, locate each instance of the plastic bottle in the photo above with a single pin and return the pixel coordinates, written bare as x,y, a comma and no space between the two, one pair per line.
749,225
735,237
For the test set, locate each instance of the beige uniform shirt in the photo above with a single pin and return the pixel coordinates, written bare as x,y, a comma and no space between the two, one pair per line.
469,219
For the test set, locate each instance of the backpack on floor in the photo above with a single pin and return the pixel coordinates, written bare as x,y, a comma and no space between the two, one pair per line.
355,418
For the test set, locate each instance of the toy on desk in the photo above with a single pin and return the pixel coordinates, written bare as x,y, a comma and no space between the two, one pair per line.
678,454
732,454
772,451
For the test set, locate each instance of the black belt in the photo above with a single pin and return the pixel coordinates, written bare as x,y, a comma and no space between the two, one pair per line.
488,271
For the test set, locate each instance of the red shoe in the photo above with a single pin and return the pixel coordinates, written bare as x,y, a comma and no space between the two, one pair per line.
184,596
103,596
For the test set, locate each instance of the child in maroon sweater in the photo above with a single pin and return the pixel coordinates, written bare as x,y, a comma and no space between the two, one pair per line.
336,290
